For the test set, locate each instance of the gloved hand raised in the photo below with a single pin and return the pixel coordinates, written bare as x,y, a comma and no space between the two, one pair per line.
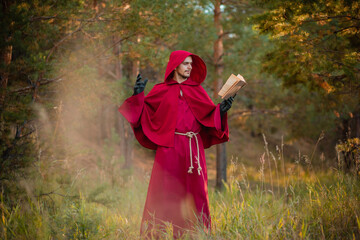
139,85
225,105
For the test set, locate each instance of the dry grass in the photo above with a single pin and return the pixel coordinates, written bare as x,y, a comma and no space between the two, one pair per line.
278,200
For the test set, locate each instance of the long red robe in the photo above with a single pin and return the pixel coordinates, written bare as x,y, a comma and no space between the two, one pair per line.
175,195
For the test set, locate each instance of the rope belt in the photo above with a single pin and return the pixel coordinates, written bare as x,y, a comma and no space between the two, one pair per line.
190,135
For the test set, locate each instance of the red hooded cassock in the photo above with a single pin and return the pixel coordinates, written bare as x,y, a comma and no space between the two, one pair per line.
160,121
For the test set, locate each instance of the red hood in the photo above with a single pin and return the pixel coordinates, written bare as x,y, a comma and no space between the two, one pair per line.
198,72
154,117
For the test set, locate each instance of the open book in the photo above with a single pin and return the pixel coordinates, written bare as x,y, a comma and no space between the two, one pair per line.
232,86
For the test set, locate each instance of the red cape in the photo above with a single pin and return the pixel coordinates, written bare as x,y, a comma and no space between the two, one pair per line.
153,117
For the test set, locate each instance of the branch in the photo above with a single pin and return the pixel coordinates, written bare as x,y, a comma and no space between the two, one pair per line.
61,41
101,53
41,18
42,82
317,19
67,36
60,78
345,28
32,19
253,112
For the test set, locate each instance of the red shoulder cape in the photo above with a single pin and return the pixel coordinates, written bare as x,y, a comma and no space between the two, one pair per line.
153,117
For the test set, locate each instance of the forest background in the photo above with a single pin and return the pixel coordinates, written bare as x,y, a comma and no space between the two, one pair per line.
71,169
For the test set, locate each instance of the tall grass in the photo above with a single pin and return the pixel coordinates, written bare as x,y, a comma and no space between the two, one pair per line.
279,200
326,209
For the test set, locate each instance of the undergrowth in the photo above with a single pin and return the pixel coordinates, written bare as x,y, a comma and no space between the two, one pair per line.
280,200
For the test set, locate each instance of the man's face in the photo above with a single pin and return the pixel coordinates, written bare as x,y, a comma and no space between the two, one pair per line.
184,69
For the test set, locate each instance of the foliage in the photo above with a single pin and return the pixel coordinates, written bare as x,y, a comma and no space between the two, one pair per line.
349,155
60,178
264,105
316,46
74,44
31,40
318,41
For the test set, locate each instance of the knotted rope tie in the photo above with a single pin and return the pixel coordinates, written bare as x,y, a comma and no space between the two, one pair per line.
190,135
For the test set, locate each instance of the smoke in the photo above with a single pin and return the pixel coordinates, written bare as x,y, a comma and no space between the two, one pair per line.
80,124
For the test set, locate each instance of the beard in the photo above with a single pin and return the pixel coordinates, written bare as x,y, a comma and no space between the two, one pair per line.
183,76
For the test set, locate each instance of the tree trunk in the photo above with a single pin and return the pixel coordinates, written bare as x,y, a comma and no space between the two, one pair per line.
221,161
357,124
5,54
118,62
123,128
119,120
6,59
129,153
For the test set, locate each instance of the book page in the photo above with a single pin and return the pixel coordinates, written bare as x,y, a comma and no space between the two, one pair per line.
232,80
232,86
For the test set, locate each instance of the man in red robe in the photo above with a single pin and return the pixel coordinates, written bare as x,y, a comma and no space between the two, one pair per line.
178,120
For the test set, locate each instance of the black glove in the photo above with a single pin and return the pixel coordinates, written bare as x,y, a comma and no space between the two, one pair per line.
139,85
226,105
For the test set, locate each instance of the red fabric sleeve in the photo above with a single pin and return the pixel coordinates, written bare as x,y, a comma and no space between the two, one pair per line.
153,118
132,109
217,134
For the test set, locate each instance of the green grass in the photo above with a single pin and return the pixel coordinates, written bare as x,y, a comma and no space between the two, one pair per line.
277,200
309,211
325,208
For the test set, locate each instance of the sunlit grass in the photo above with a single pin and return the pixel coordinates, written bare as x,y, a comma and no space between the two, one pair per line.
292,201
318,210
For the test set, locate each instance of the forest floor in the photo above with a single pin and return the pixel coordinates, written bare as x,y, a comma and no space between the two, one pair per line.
272,192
